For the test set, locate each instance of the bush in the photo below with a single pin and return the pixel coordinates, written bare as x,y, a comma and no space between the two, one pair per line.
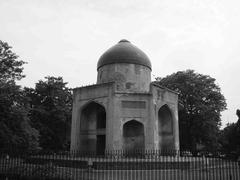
47,171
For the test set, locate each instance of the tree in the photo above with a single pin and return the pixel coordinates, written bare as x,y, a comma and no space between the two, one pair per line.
230,137
10,67
199,119
51,106
15,126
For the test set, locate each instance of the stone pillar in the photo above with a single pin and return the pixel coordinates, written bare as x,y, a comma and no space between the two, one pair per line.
176,128
75,127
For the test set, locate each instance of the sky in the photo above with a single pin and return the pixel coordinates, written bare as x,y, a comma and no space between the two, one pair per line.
66,38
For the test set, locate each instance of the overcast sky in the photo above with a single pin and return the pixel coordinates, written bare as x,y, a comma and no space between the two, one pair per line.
66,38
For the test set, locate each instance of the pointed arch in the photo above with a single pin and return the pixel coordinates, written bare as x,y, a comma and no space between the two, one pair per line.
92,102
165,128
165,120
93,127
133,135
93,116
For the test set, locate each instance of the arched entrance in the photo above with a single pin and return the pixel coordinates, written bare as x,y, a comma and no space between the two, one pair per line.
133,135
165,127
93,128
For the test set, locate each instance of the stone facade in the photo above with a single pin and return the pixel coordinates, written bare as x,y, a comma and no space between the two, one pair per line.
124,110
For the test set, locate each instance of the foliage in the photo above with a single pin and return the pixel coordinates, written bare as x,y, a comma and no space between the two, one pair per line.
46,171
15,127
51,104
202,101
230,137
10,67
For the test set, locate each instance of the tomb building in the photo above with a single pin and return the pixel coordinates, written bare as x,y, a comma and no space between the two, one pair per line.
124,110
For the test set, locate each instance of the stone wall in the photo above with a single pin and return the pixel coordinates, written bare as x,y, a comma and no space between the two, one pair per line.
155,112
128,77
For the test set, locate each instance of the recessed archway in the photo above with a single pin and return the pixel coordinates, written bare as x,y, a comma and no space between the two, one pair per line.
133,136
93,127
165,128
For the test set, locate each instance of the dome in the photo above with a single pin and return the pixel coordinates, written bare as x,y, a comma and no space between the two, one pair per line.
124,52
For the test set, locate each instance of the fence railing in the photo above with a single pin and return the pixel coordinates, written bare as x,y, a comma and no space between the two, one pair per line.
120,165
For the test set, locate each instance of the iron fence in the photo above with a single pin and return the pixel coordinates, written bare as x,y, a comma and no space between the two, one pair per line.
119,165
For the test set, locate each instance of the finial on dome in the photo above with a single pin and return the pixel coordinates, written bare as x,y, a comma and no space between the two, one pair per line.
124,40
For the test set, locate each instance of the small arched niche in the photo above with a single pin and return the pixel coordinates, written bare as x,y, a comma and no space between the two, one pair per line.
165,124
93,128
165,128
133,136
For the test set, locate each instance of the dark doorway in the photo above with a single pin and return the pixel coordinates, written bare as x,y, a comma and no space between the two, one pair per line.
133,135
101,119
101,143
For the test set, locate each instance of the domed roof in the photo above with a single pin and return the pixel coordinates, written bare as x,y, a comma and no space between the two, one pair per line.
124,52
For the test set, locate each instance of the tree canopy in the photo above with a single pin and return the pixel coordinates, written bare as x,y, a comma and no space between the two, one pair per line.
15,126
51,106
230,137
202,100
10,66
32,118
